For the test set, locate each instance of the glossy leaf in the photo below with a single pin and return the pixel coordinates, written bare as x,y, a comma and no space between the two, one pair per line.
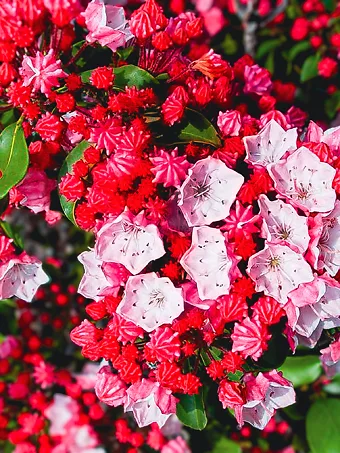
196,128
323,426
301,370
13,157
75,155
309,69
13,232
333,388
267,46
191,412
224,445
128,75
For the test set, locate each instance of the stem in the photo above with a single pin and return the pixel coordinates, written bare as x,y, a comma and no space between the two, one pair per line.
77,55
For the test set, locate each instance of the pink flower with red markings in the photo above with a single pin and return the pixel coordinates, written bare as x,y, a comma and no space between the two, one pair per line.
229,122
42,72
150,301
21,276
212,65
330,358
190,295
129,240
147,19
325,241
270,144
208,263
109,388
230,394
208,192
330,137
169,168
282,224
277,270
150,403
257,80
305,181
240,222
49,127
106,133
107,25
125,331
250,338
164,346
265,393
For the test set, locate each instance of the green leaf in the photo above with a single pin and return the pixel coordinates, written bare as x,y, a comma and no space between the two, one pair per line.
309,68
334,387
332,104
13,157
224,445
12,232
76,154
301,370
323,426
294,51
8,118
125,53
267,46
229,45
196,128
191,412
329,5
270,62
128,75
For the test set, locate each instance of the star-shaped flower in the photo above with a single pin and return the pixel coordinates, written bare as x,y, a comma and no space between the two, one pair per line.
281,223
305,181
130,241
208,263
150,301
277,270
169,168
270,144
208,192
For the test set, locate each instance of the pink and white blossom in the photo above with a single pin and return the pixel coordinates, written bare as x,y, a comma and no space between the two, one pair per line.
229,122
109,388
150,301
129,240
42,72
330,359
169,168
208,263
277,270
305,181
282,224
331,136
150,403
94,283
208,192
270,144
107,25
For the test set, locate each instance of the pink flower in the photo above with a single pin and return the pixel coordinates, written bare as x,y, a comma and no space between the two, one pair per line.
130,241
214,20
42,72
150,403
266,393
95,283
240,222
305,181
270,144
331,136
190,295
250,338
229,122
325,241
330,358
106,134
150,301
80,439
208,192
282,224
35,190
21,276
109,388
63,411
164,345
208,263
257,80
169,168
277,270
177,445
8,344
88,376
107,25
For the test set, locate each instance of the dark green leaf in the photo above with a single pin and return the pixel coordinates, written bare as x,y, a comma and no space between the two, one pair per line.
332,104
224,445
125,53
267,46
76,154
13,157
191,412
301,370
295,50
270,62
196,128
309,68
8,118
329,5
323,426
